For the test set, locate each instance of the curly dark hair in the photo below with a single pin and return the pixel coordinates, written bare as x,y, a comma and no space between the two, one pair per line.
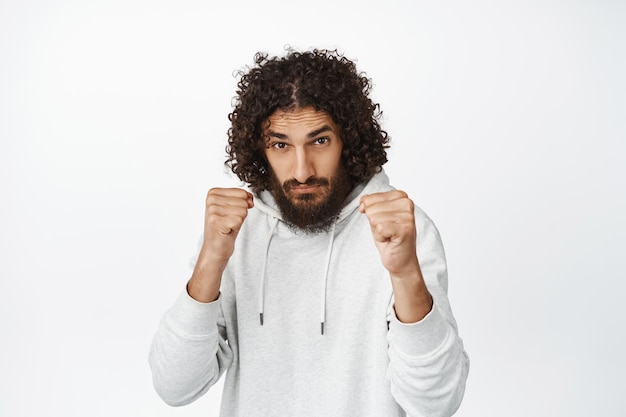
322,79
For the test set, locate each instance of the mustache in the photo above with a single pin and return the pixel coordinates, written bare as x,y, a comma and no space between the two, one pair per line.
289,184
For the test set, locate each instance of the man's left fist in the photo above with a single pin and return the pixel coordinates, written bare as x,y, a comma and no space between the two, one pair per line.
392,220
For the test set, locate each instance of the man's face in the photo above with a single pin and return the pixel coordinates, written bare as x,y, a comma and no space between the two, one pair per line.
303,148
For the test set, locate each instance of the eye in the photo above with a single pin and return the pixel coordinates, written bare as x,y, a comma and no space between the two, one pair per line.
278,145
321,141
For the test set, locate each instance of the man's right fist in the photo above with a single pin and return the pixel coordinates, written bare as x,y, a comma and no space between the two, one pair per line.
226,209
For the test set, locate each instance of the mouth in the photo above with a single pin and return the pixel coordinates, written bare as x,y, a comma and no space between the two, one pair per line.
304,189
311,192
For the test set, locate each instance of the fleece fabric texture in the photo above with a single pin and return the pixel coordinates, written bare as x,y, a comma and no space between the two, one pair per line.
366,362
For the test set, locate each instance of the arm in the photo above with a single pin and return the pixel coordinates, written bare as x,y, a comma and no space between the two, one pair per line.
189,351
428,366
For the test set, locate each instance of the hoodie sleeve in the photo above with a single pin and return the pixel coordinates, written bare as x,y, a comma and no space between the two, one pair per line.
428,365
189,351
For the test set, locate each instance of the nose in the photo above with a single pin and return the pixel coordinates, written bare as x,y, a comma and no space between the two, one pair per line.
303,166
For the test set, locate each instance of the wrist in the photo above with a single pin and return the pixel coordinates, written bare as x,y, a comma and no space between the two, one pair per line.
204,284
412,300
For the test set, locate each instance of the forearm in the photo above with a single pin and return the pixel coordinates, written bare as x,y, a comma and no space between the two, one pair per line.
204,284
412,298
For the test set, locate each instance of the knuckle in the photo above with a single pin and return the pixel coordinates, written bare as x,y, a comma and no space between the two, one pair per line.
379,227
213,191
211,195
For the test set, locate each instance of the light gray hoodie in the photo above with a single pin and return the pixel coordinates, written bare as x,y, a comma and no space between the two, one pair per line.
305,326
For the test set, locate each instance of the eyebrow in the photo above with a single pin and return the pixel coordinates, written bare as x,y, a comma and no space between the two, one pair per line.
322,129
310,135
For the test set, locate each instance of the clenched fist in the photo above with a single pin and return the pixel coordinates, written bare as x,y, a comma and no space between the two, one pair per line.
225,211
392,221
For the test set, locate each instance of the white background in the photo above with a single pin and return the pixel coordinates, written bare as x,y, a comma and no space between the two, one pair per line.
508,127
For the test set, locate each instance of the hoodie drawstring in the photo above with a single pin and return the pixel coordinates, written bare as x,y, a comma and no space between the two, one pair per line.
324,280
262,289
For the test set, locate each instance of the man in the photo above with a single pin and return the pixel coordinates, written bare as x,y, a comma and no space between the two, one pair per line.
323,290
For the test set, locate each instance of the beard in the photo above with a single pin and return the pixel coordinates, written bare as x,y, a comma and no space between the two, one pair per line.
312,212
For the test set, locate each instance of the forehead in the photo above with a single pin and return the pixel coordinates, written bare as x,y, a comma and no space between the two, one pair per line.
300,118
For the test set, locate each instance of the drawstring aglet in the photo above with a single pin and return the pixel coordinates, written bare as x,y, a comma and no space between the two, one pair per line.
261,318
322,328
